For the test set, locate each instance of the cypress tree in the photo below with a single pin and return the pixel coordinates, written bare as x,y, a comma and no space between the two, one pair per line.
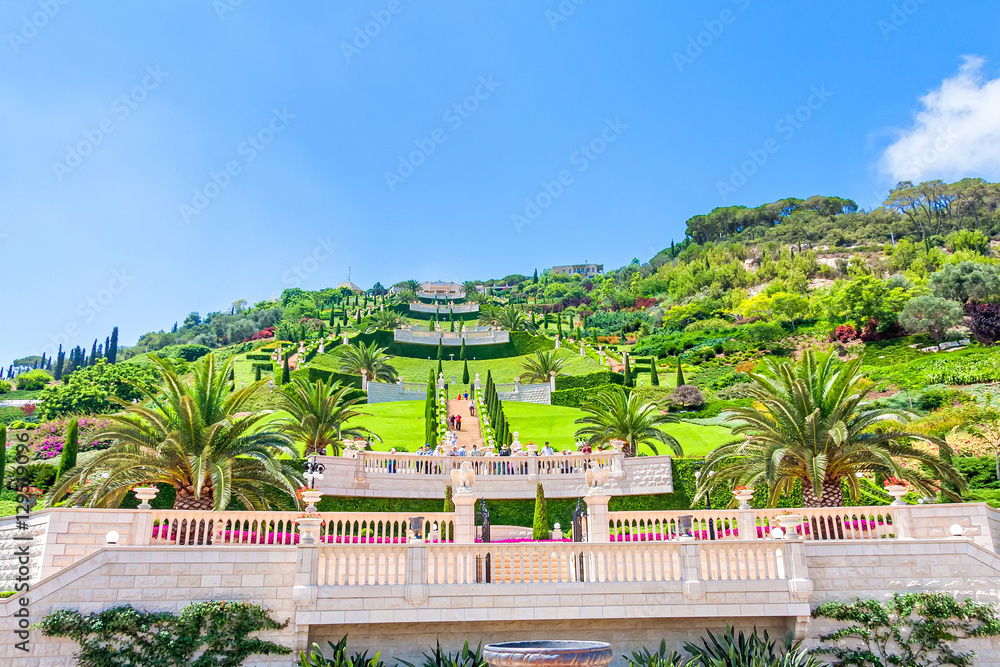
465,373
534,278
113,346
440,368
461,354
256,373
338,329
559,325
359,316
93,353
594,336
42,364
540,525
680,373
174,330
449,504
440,352
67,460
58,370
333,321
628,373
107,345
232,379
284,371
654,379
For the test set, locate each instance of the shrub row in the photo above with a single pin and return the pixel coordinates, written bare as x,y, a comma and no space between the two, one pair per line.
574,398
595,379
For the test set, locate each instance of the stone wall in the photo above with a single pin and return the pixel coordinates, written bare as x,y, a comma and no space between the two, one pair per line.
390,392
529,393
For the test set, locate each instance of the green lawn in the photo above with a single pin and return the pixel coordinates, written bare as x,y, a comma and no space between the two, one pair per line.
538,423
401,424
504,370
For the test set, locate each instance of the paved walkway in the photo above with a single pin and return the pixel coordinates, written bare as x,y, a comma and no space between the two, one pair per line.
470,433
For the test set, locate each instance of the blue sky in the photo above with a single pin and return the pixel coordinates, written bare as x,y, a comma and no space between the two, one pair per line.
163,157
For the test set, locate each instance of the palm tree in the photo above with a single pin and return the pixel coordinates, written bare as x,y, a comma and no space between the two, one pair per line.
317,414
384,319
194,438
810,422
510,318
616,414
371,358
545,362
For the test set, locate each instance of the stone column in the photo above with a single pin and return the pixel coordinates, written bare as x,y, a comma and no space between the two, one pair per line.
465,517
691,568
306,587
796,570
746,524
415,591
477,381
142,526
902,522
364,379
597,515
552,380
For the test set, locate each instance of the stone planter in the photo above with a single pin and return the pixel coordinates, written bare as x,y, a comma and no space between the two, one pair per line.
548,654
145,494
897,491
309,529
310,498
790,524
744,496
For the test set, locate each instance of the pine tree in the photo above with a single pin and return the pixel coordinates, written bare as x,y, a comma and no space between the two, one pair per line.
465,373
113,346
540,525
284,372
67,460
654,379
680,373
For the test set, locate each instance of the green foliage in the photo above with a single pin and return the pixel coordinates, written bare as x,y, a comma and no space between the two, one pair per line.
90,390
449,504
643,658
540,523
574,398
32,380
5,387
218,633
679,381
189,352
338,657
962,370
464,658
67,459
967,280
654,378
318,414
3,454
914,629
741,650
618,414
932,314
589,380
285,377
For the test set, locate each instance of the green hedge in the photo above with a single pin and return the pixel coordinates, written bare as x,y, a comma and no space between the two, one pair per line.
326,375
257,356
595,379
520,343
574,398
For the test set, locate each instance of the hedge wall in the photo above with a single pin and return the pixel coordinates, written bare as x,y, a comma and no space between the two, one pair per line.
574,398
520,343
314,374
595,379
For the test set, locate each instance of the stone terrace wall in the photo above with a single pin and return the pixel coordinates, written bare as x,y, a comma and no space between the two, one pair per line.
844,571
155,579
993,519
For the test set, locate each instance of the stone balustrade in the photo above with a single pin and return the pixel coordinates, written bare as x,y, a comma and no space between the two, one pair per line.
450,339
444,309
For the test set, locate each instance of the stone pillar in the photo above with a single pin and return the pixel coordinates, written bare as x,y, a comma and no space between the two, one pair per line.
746,524
415,591
552,380
796,570
517,387
902,522
477,381
582,348
345,338
305,591
557,342
691,569
142,526
597,515
465,517
364,379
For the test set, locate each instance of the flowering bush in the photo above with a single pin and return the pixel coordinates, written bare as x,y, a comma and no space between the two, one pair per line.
48,439
844,333
893,481
28,409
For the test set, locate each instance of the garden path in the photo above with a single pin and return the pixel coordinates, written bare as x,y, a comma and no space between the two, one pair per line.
470,433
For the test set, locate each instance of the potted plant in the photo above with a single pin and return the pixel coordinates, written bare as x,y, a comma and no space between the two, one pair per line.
744,494
896,488
309,496
145,492
309,525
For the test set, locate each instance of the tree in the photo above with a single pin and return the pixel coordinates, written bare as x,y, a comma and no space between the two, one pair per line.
219,633
67,459
317,412
809,422
384,319
534,278
687,395
540,524
864,298
654,378
370,358
629,382
440,350
60,360
617,414
285,373
680,374
465,372
510,318
189,436
462,352
912,629
95,389
541,367
983,422
112,350
967,280
931,314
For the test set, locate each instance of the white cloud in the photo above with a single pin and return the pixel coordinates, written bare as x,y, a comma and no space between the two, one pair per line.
955,135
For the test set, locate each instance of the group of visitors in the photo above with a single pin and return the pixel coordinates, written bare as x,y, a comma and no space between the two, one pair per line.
455,422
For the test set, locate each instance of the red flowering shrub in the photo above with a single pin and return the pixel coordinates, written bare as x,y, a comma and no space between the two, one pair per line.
844,333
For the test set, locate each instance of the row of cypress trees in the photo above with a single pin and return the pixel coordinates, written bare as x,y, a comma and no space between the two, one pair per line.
494,408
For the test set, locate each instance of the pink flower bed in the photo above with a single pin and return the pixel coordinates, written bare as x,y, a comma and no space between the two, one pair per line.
48,439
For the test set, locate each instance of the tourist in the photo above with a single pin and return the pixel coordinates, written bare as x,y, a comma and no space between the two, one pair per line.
458,422
547,449
476,451
460,451
451,422
472,408
392,462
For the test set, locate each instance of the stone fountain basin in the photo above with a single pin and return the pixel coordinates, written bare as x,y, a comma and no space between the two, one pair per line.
548,654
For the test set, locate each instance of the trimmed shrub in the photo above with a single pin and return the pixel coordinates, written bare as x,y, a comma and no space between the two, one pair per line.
540,523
